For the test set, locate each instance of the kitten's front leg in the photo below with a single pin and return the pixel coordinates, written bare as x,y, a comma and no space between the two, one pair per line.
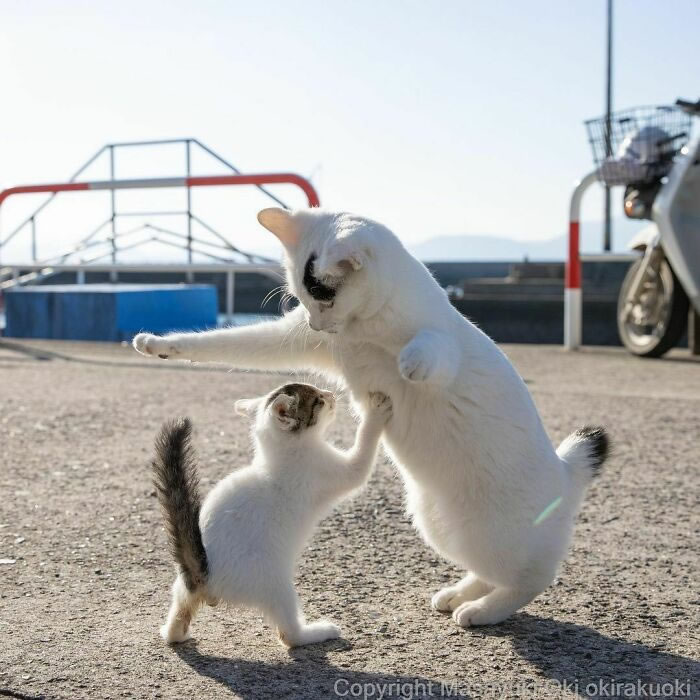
287,343
430,356
360,459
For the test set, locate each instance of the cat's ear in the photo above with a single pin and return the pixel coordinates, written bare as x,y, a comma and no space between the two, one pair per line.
340,257
246,407
282,224
281,408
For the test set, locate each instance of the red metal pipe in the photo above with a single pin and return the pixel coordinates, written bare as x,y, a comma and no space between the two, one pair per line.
572,277
27,189
207,181
265,179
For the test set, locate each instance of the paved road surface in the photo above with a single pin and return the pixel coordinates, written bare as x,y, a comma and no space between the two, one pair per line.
87,586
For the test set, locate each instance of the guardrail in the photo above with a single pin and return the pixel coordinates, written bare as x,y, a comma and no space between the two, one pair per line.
188,182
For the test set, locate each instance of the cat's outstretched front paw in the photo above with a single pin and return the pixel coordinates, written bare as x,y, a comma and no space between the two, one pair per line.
154,345
417,362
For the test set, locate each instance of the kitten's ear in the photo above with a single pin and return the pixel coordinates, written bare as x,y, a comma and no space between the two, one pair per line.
282,224
246,407
340,257
281,410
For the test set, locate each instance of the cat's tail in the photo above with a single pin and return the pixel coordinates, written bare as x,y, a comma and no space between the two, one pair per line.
177,484
583,453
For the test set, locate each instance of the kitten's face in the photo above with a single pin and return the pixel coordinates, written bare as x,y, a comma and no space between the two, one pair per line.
330,268
292,408
297,407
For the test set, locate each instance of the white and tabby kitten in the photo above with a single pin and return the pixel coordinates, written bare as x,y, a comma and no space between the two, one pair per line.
242,545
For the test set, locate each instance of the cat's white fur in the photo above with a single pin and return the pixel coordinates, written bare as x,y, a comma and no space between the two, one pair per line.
256,521
466,437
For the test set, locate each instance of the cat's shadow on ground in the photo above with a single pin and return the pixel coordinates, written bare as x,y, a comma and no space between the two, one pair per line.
563,654
581,658
308,676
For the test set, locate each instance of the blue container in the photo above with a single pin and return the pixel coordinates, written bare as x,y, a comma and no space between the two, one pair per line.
111,312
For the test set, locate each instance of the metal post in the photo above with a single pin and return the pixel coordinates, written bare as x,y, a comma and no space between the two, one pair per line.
33,227
607,234
113,196
230,291
80,276
189,202
573,304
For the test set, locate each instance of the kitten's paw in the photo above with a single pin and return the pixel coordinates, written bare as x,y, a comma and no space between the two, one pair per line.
380,405
313,633
417,363
174,634
157,346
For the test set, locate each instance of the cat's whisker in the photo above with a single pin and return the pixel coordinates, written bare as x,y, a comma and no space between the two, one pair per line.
272,293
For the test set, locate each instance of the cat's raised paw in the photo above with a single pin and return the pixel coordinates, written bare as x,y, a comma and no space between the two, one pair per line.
416,363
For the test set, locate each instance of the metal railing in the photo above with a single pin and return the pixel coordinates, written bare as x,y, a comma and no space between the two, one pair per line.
188,181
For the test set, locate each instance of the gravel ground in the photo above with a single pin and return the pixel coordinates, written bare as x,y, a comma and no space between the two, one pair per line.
84,573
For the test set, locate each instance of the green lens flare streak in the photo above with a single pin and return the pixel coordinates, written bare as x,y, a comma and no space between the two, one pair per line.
548,511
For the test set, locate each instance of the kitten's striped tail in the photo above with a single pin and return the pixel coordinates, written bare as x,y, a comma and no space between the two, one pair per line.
177,483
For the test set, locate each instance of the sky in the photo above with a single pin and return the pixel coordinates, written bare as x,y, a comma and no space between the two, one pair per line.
435,117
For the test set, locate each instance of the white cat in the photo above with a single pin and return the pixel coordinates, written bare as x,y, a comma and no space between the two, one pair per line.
484,485
242,545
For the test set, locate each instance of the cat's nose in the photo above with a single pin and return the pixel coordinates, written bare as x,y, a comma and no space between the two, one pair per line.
313,327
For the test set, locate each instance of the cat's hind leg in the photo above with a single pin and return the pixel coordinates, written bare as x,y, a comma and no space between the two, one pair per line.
494,607
450,598
293,630
182,609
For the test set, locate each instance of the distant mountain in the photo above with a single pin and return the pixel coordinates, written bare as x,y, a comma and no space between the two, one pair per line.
477,247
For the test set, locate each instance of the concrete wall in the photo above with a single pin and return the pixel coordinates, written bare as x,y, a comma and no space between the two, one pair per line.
507,312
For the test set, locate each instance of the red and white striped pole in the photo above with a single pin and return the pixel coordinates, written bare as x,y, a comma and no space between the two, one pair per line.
207,181
572,279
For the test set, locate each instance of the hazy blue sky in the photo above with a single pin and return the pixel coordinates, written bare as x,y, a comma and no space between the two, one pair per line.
436,117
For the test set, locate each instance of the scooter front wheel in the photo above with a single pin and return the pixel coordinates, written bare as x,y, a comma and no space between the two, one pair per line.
655,322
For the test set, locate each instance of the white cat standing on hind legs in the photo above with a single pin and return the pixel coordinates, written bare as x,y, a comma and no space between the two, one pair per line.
476,461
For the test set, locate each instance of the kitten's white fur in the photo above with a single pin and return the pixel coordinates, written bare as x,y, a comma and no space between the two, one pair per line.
256,521
466,437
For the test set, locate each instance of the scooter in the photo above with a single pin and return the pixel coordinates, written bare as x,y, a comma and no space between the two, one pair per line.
660,169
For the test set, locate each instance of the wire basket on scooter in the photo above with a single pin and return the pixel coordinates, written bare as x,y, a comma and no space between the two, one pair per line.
642,143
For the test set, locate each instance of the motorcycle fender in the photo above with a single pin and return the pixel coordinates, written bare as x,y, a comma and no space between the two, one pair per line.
648,236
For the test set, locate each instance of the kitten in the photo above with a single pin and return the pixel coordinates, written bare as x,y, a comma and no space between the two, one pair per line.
484,485
242,545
